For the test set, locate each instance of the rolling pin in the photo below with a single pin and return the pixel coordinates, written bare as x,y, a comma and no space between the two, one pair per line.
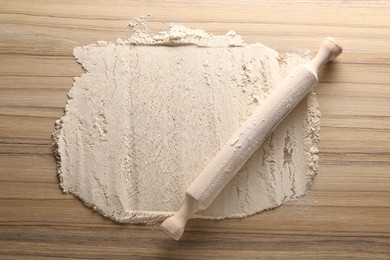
248,138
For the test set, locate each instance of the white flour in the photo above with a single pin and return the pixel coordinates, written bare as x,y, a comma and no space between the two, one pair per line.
151,111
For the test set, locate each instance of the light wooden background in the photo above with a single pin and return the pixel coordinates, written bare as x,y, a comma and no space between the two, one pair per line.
347,214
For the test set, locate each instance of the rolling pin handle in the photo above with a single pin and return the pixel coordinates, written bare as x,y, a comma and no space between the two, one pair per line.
328,51
174,226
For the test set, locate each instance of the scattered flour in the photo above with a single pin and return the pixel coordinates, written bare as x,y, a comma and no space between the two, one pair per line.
151,111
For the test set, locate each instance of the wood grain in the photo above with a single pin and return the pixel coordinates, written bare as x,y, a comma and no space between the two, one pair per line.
347,213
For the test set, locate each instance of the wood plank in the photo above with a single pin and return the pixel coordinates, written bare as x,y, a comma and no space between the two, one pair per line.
345,215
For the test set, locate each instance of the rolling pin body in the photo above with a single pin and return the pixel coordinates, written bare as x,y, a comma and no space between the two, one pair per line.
248,138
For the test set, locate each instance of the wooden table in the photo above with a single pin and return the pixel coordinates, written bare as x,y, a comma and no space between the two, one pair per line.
347,213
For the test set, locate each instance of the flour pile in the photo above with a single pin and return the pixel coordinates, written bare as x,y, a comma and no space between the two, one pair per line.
151,111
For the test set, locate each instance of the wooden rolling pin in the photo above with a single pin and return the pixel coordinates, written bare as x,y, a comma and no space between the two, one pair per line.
205,188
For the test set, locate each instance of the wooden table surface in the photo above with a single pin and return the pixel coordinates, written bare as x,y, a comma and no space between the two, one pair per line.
346,214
